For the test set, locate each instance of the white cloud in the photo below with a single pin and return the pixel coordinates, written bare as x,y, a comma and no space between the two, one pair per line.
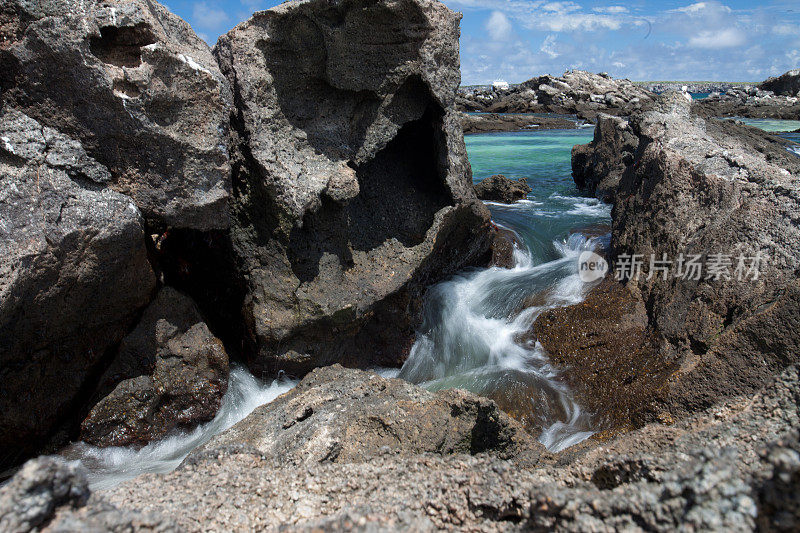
206,17
611,10
724,38
548,46
498,26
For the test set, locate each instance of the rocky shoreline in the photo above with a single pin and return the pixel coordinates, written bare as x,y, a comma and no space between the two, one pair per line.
176,207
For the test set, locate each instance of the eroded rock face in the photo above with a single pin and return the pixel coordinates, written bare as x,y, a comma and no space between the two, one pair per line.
349,416
499,188
73,274
141,92
709,187
598,167
352,185
170,373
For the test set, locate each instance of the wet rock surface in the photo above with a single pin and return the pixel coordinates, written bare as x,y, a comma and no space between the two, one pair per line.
353,191
499,188
350,416
576,92
170,373
722,191
607,352
140,91
495,122
73,275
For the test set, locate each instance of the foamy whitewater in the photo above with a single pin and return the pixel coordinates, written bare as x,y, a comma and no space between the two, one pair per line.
110,466
471,333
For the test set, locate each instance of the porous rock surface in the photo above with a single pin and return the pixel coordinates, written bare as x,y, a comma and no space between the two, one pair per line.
499,188
353,190
348,416
170,373
721,469
714,188
787,84
135,85
73,274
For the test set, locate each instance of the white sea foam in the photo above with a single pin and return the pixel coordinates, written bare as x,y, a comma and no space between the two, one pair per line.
108,467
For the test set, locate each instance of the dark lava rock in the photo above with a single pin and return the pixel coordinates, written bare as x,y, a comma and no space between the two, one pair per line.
716,189
73,275
787,84
354,187
499,188
607,351
598,167
52,495
349,416
504,242
491,122
171,372
135,85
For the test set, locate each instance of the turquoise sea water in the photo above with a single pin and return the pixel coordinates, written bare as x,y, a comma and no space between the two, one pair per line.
700,96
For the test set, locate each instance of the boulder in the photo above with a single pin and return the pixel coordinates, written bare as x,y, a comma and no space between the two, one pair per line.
492,122
787,84
724,192
504,242
499,188
52,495
73,275
170,373
598,167
353,187
135,85
350,416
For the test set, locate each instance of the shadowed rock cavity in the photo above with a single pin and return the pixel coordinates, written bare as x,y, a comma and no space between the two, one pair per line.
352,189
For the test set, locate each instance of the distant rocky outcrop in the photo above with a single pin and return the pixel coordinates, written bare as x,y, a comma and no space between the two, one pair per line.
576,92
499,188
353,187
340,415
721,191
170,373
493,122
787,84
73,275
751,101
709,87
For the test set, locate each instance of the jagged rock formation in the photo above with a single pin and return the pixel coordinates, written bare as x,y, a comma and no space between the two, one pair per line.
350,416
73,274
170,373
499,188
353,191
598,167
576,92
787,84
659,87
724,192
141,92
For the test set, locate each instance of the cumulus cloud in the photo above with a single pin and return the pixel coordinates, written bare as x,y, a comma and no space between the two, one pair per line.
611,10
548,46
498,26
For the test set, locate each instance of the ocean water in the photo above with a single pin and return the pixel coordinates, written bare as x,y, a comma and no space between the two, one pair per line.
788,129
700,96
475,331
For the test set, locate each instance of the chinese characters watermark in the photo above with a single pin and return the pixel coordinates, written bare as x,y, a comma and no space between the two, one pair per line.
715,266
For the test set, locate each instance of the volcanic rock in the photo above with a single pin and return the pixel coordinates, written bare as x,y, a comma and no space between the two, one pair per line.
73,275
598,167
787,84
350,416
723,192
141,92
493,122
353,188
499,188
170,373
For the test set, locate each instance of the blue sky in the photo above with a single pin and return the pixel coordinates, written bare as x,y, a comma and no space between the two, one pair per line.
516,40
